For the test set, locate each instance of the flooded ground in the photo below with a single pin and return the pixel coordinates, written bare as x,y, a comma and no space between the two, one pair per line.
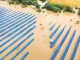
40,47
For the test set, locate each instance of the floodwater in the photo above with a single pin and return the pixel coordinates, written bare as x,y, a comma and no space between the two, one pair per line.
40,49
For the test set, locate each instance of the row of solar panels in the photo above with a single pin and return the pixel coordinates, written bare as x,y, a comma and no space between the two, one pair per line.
16,28
54,41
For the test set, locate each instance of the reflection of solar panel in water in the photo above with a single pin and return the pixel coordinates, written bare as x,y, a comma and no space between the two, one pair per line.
15,29
59,47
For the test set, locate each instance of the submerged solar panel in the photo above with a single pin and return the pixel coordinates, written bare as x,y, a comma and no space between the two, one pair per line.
15,29
17,34
64,38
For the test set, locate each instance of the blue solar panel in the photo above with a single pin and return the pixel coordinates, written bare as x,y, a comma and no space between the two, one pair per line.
16,28
64,53
13,27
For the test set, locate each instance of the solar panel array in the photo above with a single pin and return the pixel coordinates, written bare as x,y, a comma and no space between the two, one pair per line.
15,29
59,47
17,33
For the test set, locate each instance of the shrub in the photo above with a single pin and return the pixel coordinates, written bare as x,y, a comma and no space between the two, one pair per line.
11,1
28,2
37,5
48,6
52,7
58,5
39,10
24,2
68,9
79,11
23,6
77,22
43,0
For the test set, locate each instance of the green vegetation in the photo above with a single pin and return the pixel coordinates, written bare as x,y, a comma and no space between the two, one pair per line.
68,9
11,1
52,7
77,22
58,5
43,0
37,5
58,8
79,12
24,2
49,6
28,2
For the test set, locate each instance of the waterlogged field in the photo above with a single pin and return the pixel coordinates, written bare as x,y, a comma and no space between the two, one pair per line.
72,3
30,35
